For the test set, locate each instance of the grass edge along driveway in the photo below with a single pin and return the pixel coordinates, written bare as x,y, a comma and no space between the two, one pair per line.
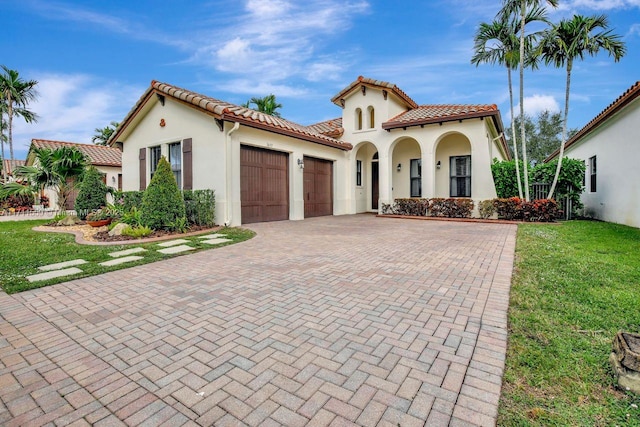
574,286
23,250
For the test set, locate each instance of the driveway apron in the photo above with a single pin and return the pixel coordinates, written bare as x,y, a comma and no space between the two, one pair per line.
350,320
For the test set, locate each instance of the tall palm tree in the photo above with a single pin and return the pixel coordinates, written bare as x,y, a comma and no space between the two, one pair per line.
28,117
515,7
572,39
102,135
58,169
267,105
497,42
16,95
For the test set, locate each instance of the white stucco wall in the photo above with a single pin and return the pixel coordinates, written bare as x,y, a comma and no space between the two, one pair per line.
617,149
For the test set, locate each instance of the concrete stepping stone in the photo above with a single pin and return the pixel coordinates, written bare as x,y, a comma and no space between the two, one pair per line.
212,236
127,252
62,265
173,243
53,274
216,241
176,249
120,260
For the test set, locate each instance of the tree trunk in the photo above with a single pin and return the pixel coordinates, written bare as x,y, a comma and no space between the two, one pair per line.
513,133
564,130
10,114
523,137
4,170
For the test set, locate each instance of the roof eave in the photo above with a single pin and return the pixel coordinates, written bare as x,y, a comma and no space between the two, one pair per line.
435,120
263,126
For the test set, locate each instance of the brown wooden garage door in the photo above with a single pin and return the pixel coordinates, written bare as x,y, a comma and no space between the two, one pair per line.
264,178
318,187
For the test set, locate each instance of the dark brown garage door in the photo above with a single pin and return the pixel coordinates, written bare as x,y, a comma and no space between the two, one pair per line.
318,187
264,177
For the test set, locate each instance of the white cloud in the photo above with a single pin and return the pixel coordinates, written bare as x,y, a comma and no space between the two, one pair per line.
633,31
71,106
538,103
261,88
599,5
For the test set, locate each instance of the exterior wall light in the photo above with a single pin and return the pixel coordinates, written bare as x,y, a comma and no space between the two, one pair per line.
301,163
438,165
399,168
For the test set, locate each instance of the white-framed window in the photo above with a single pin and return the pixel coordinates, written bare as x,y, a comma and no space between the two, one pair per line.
175,160
416,177
460,173
154,157
593,170
359,173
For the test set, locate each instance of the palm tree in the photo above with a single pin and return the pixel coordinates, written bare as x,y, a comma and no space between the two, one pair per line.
514,7
572,39
28,117
267,105
57,169
497,42
16,95
102,135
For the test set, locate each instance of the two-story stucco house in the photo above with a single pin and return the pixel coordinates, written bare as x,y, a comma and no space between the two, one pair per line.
264,168
609,146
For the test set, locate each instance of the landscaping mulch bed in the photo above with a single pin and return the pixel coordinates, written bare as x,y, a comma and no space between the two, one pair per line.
103,236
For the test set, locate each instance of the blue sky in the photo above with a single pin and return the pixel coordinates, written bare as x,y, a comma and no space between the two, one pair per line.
93,61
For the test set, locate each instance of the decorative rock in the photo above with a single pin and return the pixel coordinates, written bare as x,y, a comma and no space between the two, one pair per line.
117,230
69,220
53,274
61,265
176,249
628,380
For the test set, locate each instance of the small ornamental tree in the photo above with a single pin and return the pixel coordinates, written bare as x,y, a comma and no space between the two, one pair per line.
92,194
162,203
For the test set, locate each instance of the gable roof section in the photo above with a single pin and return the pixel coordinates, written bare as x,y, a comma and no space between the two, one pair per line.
619,104
331,127
428,114
10,165
378,84
98,155
226,111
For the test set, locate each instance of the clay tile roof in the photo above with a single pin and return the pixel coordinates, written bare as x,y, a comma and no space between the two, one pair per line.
332,127
425,114
234,113
9,166
98,155
621,102
374,83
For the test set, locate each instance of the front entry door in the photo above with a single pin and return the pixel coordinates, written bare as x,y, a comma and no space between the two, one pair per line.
375,185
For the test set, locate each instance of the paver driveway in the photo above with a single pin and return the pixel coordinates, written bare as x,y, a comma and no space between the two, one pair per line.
339,320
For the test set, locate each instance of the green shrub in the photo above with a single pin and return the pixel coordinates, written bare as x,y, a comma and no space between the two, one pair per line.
125,200
450,208
505,179
18,201
92,194
200,207
162,204
133,217
137,232
570,180
486,209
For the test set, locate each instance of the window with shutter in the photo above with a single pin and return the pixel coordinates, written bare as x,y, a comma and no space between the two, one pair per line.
416,177
460,173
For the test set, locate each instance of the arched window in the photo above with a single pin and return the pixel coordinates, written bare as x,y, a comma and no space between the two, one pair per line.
358,119
372,117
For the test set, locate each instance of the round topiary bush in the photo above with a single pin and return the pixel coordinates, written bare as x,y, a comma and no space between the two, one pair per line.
92,194
162,204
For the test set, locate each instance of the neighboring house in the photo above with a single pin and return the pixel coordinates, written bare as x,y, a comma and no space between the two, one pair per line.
107,160
9,166
264,168
608,145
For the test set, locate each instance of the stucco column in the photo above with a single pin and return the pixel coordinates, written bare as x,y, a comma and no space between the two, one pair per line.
385,178
428,170
296,186
232,176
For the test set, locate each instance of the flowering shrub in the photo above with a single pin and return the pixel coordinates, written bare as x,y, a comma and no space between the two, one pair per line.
543,210
450,208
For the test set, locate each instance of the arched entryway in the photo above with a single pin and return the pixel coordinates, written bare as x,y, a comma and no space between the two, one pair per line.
453,166
406,169
367,178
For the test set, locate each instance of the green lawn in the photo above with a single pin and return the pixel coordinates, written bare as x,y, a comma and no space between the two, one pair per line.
23,250
575,285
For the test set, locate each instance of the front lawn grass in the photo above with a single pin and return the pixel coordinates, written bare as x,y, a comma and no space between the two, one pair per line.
23,250
574,286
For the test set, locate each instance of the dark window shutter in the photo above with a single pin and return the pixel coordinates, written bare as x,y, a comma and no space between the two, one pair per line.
187,165
143,168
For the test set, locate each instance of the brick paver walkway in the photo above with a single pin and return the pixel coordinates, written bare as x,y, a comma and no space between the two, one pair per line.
351,320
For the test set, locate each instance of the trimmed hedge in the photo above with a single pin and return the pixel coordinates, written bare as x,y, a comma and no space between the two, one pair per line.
200,206
514,208
92,194
510,208
450,208
162,204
